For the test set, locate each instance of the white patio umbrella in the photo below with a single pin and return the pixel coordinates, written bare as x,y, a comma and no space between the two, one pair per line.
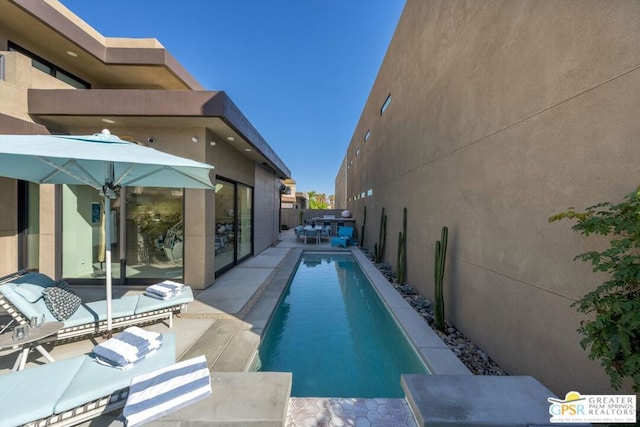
103,161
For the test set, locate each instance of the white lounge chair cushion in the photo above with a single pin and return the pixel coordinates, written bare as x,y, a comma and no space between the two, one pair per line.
28,309
32,393
166,390
146,303
94,380
96,311
31,285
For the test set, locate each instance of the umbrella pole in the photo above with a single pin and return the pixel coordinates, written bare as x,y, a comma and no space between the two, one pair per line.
107,210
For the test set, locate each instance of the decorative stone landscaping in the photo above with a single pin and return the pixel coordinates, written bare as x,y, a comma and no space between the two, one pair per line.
473,358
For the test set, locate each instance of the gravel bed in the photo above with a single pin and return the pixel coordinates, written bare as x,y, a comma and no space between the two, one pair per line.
473,358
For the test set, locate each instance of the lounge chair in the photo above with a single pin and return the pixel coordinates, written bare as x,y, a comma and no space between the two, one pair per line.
21,297
76,389
344,238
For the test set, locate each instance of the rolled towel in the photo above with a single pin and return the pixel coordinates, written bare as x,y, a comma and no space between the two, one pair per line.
128,347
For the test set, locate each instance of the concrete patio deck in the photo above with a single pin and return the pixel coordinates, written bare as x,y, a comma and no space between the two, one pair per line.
225,323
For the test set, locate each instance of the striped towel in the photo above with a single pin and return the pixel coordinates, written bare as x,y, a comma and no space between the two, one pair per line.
164,290
165,390
127,347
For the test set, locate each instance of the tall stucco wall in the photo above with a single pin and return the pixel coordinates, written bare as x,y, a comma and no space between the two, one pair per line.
266,197
503,113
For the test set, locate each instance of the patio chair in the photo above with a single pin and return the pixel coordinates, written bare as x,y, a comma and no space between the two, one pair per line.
344,238
299,230
77,389
22,298
311,234
325,233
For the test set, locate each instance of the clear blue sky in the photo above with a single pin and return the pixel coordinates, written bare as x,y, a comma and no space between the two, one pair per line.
299,70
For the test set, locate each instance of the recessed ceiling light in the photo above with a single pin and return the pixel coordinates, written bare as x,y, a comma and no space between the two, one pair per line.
109,121
212,143
230,138
194,138
247,149
72,53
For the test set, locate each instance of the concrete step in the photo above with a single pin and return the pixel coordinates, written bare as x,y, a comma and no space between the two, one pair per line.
468,400
259,399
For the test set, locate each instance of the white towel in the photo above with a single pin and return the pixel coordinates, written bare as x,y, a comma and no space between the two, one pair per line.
156,296
164,290
166,390
129,346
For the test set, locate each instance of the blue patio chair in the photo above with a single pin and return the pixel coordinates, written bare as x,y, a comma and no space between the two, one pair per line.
344,238
325,233
313,234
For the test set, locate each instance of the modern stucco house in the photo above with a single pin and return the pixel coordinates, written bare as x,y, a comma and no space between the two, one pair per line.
489,117
60,76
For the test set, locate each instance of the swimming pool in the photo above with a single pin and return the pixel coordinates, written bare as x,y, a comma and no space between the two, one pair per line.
332,331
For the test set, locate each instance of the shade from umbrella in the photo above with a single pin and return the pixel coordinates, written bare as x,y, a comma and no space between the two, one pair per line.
103,161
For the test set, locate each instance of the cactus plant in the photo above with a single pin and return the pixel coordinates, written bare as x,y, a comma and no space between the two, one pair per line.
382,238
441,253
398,259
400,275
402,250
364,221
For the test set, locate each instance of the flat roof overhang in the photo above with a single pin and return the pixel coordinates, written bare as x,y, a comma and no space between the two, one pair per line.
214,110
50,30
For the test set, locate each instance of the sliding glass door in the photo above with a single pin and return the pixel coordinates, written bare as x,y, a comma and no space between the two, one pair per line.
234,224
146,225
245,221
28,225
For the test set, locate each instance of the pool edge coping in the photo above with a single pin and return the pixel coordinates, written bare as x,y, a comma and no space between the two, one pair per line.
434,353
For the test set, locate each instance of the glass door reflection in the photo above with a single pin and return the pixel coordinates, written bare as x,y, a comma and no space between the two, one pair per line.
225,224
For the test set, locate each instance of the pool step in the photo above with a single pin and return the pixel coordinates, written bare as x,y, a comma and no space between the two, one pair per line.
259,399
336,411
467,400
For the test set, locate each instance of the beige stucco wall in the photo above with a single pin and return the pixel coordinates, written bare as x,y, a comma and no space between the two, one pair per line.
502,114
8,227
19,76
266,197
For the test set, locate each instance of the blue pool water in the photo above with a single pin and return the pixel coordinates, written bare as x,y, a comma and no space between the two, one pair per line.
332,331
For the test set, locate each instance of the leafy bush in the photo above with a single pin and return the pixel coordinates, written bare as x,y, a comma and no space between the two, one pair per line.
612,333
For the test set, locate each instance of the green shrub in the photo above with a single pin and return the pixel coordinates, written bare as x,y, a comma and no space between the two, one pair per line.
612,332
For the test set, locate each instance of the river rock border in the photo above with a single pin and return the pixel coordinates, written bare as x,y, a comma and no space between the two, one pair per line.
476,360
